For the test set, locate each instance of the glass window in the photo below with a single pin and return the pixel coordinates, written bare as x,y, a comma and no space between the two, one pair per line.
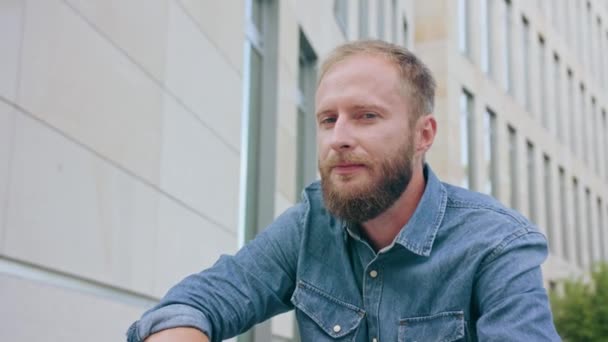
380,22
406,35
341,15
466,119
306,161
563,213
601,225
513,165
394,24
508,57
542,77
577,223
599,54
530,163
548,187
486,36
363,19
557,96
605,138
526,64
571,114
489,123
590,228
594,143
463,27
583,125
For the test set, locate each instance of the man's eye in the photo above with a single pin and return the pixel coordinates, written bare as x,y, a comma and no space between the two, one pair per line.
328,120
369,115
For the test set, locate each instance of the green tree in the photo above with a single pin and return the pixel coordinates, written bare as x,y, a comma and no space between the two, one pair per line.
580,308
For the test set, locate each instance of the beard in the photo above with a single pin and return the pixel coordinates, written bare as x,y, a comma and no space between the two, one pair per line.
358,203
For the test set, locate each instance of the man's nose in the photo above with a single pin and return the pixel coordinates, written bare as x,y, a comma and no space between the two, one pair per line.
342,137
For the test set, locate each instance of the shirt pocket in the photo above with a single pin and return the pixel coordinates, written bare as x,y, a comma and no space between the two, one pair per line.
322,317
442,327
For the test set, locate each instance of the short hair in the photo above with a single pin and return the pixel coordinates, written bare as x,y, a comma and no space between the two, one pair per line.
419,83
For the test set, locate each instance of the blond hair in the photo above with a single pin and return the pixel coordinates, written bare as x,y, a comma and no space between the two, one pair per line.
417,79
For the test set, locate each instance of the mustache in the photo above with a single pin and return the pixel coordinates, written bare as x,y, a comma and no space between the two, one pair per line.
345,158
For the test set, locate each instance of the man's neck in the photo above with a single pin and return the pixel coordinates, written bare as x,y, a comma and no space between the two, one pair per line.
382,230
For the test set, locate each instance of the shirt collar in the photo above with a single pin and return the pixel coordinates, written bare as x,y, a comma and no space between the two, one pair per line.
419,233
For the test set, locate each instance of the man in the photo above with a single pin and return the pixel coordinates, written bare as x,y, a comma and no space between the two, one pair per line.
380,250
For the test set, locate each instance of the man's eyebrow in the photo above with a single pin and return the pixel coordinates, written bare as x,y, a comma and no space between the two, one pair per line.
359,107
355,107
326,111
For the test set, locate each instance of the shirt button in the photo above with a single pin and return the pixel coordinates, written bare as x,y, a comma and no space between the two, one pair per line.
374,339
337,328
373,273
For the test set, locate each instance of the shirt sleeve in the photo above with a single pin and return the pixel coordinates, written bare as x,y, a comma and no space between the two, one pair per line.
237,291
509,294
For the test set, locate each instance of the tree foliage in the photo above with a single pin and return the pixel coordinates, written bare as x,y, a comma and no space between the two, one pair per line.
580,308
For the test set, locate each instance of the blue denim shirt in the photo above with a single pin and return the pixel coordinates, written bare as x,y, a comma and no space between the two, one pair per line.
464,268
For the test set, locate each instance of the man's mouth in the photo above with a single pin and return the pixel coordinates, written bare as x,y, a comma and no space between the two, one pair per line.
347,168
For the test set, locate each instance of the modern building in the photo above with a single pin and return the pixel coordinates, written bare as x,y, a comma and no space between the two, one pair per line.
139,140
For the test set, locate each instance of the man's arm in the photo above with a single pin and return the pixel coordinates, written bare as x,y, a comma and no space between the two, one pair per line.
178,334
511,300
235,293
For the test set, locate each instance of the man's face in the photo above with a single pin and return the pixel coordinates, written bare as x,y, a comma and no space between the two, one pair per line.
365,143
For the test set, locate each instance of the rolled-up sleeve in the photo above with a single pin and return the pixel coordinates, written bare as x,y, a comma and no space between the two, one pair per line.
512,302
237,291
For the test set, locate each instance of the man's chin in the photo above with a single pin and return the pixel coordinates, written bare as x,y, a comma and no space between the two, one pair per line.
350,187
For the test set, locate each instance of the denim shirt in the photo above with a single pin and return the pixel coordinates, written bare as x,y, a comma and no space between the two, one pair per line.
464,268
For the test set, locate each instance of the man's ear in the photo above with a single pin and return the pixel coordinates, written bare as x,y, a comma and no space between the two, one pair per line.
426,128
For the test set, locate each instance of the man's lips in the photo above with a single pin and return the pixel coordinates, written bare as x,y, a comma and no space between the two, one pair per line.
346,168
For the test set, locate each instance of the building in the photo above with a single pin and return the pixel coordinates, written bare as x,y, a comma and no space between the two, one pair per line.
136,145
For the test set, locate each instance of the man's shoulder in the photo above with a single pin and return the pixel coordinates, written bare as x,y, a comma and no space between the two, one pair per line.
485,208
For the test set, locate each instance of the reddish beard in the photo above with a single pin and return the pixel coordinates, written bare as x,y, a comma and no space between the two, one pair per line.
357,203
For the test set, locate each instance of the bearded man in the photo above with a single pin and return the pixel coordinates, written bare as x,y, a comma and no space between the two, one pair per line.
380,249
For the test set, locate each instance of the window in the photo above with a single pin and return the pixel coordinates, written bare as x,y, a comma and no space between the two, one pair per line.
406,35
594,143
489,129
583,125
571,115
258,156
578,25
548,187
507,56
605,138
381,22
577,223
557,97
363,19
555,15
463,27
600,55
533,213
563,213
542,77
513,165
590,228
341,15
486,34
394,24
466,137
526,64
601,225
588,41
306,161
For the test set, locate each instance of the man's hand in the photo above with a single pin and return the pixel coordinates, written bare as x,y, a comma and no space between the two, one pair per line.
178,335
